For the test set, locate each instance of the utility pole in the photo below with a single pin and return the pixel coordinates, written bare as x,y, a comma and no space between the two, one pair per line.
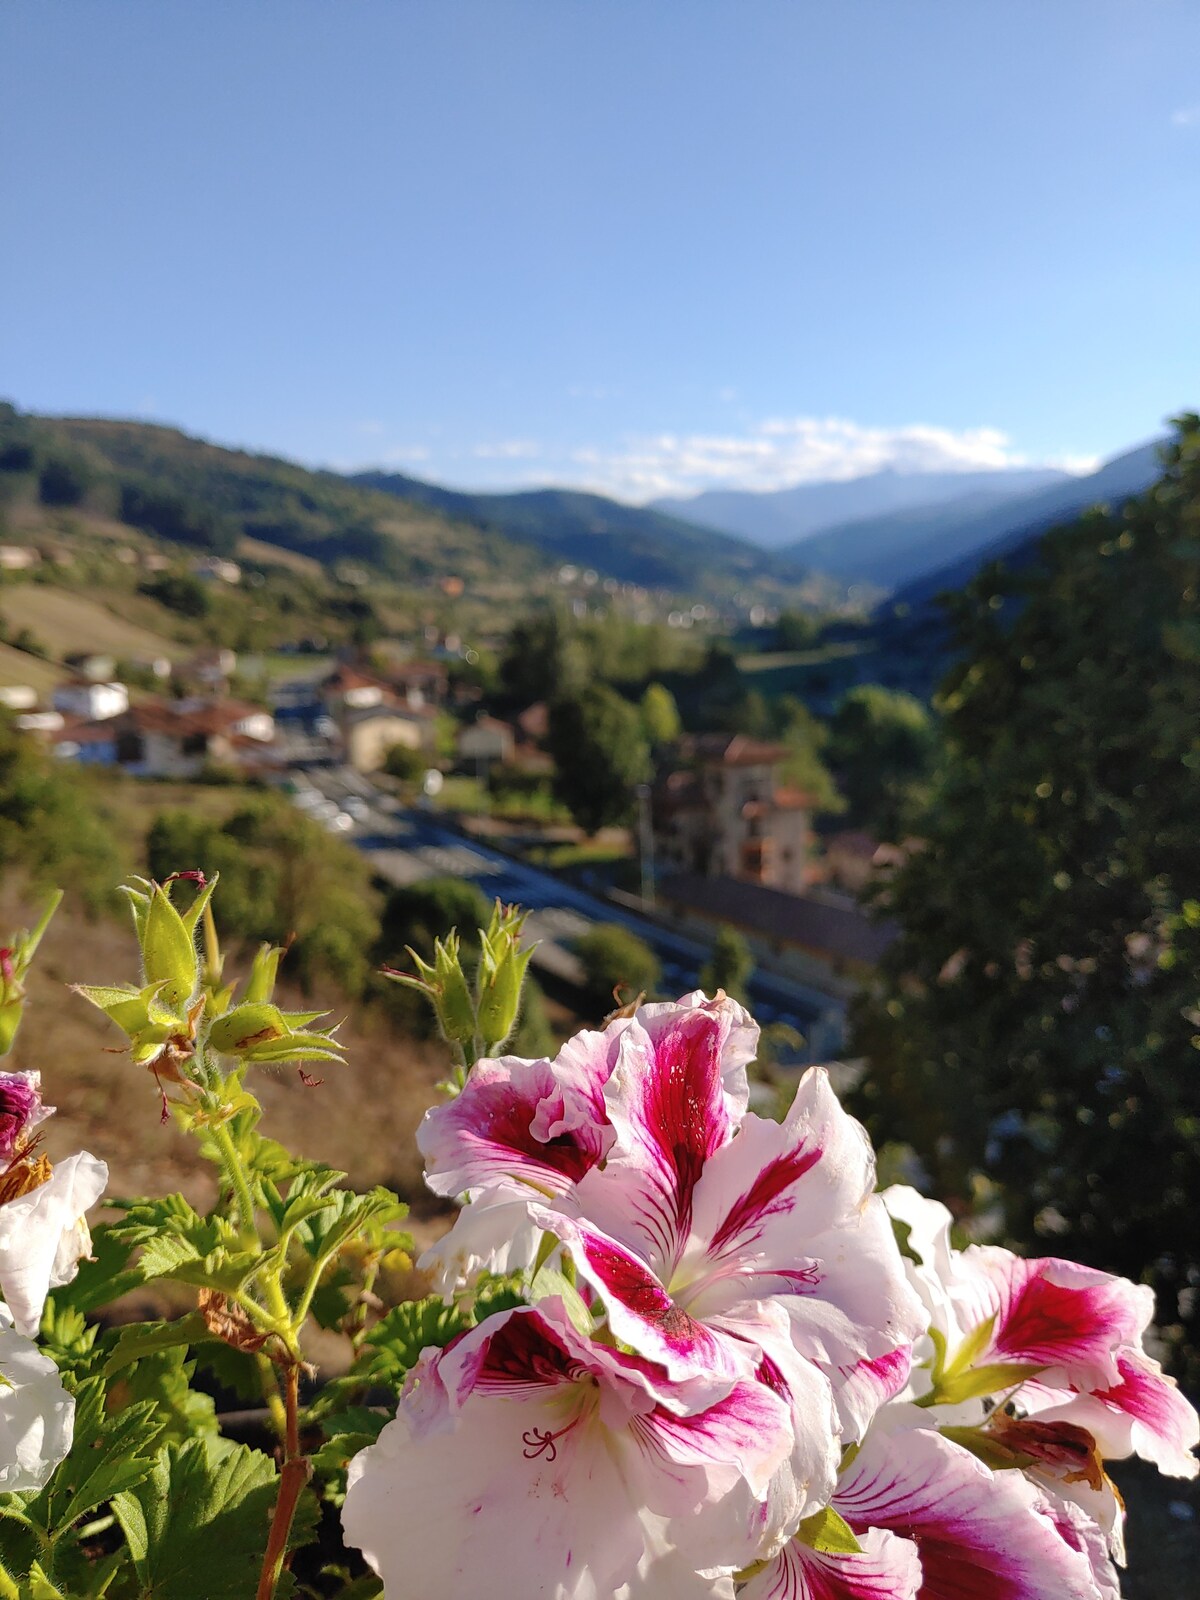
645,844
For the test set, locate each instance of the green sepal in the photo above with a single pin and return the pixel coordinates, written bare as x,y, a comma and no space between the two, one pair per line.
828,1532
260,985
553,1283
977,1382
169,950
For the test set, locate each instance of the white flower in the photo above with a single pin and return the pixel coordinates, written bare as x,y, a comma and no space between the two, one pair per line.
44,1236
37,1415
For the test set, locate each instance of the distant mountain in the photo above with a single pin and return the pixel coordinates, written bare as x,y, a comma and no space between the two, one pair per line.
633,543
785,516
1011,531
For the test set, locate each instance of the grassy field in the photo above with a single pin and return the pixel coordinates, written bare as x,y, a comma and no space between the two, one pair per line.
18,667
64,621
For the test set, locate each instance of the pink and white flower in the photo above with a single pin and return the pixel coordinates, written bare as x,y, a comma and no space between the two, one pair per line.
528,1456
21,1110
696,1222
957,1529
1070,1336
527,1130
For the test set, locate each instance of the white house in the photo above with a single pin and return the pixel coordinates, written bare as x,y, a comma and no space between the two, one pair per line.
93,702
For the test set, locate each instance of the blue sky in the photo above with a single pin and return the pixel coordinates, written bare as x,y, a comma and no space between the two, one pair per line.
648,247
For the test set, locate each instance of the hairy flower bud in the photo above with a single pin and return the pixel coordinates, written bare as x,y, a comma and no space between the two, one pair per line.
502,969
444,985
14,964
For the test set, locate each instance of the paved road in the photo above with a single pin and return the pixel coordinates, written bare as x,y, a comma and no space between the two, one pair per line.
406,846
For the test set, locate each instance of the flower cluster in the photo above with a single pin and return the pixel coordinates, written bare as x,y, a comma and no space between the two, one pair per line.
724,1374
43,1237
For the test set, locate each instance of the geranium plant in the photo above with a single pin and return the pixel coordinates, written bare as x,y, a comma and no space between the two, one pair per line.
677,1350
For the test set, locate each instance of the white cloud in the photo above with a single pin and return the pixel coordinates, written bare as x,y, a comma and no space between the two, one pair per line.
1186,117
782,451
508,450
405,452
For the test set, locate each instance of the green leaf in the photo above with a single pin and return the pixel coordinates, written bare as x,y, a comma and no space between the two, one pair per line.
394,1344
828,1532
138,1339
163,1379
176,1242
109,1454
197,1525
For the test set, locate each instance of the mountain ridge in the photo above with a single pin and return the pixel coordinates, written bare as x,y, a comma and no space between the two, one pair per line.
779,518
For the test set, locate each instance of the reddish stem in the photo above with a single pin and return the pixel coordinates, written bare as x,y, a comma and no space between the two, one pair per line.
293,1476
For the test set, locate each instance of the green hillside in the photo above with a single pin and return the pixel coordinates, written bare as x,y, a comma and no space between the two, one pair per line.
176,487
635,544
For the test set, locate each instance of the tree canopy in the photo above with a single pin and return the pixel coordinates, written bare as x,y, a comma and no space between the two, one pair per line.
600,755
1039,1021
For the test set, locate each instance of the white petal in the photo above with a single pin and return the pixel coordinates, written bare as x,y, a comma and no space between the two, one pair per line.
41,1241
37,1415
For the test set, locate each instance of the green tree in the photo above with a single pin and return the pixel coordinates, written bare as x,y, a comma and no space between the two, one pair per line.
52,823
614,959
283,879
600,756
1036,1028
403,762
543,658
729,966
419,913
805,737
63,481
660,715
882,745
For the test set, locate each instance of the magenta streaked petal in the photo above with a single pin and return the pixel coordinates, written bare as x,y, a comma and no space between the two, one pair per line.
1143,1413
1064,1317
746,1435
816,1163
888,1568
486,1135
979,1533
861,1389
642,1314
668,1105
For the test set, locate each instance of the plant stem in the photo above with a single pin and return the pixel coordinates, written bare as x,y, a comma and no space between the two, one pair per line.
293,1476
247,1226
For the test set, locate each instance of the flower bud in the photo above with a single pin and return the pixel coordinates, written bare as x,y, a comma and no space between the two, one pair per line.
258,1031
444,985
15,959
261,983
502,969
168,940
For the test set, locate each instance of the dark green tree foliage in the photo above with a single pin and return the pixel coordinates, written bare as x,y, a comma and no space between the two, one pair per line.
882,745
179,592
51,824
1039,1020
600,756
729,966
419,913
173,516
63,481
616,961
